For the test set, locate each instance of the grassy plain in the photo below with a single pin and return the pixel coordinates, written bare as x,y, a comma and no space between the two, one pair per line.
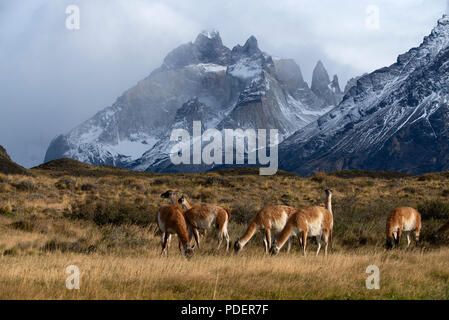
102,220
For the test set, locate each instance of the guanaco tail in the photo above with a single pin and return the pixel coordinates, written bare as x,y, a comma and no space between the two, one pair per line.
205,218
317,221
402,220
270,217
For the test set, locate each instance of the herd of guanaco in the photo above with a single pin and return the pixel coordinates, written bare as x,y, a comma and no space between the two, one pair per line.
187,221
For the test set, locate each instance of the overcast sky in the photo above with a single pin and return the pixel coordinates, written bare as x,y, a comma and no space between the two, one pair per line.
52,78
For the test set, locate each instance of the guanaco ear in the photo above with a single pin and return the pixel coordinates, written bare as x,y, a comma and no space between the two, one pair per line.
193,246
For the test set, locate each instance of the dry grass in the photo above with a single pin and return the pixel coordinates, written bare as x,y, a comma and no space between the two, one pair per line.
104,223
404,275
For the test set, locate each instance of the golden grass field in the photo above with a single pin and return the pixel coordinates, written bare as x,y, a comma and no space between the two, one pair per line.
103,221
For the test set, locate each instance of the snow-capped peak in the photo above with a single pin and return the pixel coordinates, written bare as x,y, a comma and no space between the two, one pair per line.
211,34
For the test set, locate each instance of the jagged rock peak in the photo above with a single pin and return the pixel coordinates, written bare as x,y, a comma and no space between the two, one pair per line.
250,47
290,73
208,37
207,48
439,37
211,34
322,86
335,85
320,75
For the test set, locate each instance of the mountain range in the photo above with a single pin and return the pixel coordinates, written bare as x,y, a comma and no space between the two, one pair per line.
205,81
395,118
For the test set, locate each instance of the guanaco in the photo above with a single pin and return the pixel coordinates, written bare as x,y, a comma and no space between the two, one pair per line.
270,217
172,195
204,218
170,220
316,221
402,220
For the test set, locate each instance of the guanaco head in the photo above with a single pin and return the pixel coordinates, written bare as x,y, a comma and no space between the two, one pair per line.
274,248
188,250
169,194
183,201
328,192
237,245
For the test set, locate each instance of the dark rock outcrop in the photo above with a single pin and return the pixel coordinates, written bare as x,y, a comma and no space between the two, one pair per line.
7,166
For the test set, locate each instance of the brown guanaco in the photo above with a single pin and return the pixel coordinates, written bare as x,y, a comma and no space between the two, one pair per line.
317,221
205,218
402,220
270,217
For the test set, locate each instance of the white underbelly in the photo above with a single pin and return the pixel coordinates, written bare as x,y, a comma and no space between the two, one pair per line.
279,224
160,223
314,228
409,225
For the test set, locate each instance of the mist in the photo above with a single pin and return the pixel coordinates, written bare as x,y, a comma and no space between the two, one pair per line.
53,78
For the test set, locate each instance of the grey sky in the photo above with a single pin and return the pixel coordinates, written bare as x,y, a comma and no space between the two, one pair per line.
51,78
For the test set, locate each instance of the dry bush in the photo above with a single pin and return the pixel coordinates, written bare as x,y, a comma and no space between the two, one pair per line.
6,209
115,212
434,209
26,186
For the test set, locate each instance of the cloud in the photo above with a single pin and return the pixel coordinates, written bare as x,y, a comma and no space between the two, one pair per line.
52,79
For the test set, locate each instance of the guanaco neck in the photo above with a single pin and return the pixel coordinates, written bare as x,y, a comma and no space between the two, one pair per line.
284,235
329,203
248,233
173,200
186,204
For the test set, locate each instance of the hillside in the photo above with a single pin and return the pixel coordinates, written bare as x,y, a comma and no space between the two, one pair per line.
7,166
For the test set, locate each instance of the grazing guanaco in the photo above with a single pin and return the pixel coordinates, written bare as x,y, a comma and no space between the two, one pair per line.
204,218
170,220
270,217
315,222
402,220
169,194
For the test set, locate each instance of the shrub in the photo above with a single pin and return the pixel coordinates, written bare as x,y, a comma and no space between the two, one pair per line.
242,212
434,209
11,252
25,185
6,209
79,246
160,181
4,188
215,181
319,178
23,225
87,187
65,183
116,212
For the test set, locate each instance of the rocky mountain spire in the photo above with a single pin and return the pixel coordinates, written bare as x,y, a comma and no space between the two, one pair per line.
320,76
335,85
207,48
321,85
